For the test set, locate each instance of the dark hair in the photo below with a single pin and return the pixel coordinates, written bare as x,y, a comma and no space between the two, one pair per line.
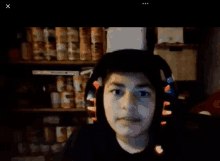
129,60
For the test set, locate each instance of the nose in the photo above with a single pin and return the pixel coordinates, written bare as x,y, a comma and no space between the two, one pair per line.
128,101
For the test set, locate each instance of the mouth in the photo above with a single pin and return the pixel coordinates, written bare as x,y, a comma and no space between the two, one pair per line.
135,120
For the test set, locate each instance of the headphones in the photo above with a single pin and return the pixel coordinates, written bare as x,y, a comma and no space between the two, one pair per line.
94,88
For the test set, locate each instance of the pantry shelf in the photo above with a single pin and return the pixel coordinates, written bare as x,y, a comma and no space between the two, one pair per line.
168,45
45,62
48,110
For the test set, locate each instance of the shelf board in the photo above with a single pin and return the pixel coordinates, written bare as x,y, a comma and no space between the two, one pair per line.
49,110
168,45
20,157
54,62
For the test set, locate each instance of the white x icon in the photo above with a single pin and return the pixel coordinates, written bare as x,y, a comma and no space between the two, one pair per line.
7,5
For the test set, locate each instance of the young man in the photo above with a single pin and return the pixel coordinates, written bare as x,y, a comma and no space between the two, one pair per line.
129,102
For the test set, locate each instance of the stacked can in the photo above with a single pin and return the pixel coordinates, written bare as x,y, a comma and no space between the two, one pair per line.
35,149
67,100
70,130
65,89
49,134
73,43
69,97
55,95
35,138
23,149
29,36
61,134
38,43
85,43
61,43
27,46
85,79
45,149
20,141
31,134
56,148
97,42
50,43
60,81
79,87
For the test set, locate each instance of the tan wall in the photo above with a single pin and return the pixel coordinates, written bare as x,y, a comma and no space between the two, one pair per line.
209,52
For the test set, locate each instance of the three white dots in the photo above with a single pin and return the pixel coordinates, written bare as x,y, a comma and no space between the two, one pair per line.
145,3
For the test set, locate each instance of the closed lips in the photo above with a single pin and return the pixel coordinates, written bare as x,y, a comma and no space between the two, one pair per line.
129,119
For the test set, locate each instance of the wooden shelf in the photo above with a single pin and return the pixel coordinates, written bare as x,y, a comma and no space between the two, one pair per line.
40,157
168,45
54,62
49,110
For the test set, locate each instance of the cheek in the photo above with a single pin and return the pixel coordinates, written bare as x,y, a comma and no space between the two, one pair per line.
146,111
108,106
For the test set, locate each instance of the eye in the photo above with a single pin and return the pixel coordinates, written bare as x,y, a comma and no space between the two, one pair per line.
144,93
116,92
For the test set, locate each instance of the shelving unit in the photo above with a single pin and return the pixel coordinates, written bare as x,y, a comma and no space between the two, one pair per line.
49,110
45,62
54,111
169,45
67,117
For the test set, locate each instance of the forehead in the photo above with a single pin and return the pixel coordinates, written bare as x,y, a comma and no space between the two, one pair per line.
128,77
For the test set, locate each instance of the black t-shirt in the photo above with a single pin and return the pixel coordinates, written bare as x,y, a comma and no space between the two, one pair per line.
97,142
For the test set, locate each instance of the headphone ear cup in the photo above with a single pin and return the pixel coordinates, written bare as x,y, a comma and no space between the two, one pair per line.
156,124
100,111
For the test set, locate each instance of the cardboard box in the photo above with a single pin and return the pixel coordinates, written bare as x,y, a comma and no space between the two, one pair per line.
182,63
170,35
126,38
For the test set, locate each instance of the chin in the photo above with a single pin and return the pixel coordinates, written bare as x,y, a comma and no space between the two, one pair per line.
131,131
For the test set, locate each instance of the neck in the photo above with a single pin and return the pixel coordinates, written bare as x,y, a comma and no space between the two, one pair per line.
133,144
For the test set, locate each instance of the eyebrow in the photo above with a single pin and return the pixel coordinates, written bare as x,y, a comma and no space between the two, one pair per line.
138,86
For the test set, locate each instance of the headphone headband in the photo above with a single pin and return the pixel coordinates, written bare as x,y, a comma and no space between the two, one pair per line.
115,57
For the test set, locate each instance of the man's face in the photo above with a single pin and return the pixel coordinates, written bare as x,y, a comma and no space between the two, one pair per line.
129,95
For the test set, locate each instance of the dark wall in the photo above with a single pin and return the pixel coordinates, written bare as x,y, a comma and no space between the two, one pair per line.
8,37
210,55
